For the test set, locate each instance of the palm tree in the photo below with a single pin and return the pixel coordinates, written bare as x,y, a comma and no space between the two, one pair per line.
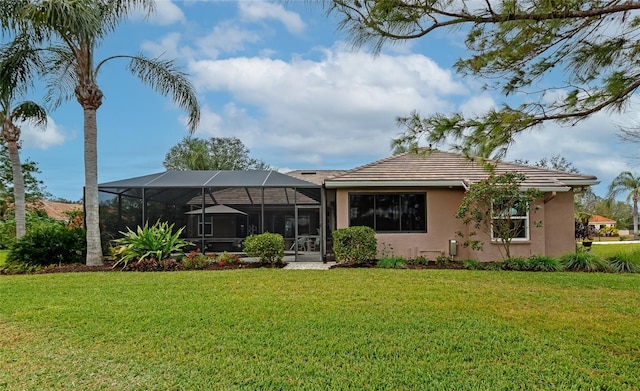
70,31
627,182
15,77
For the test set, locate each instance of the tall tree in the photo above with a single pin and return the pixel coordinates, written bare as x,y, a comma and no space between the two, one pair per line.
34,188
590,46
16,75
555,162
627,182
69,31
216,153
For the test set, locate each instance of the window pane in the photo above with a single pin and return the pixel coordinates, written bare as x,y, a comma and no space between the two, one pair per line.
413,211
517,228
361,210
387,212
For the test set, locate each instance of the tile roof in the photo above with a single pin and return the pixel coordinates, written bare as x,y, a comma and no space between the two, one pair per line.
601,219
315,176
438,168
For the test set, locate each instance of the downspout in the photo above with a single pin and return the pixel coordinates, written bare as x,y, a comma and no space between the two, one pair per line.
323,224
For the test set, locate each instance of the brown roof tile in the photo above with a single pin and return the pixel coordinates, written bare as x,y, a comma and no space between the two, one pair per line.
441,168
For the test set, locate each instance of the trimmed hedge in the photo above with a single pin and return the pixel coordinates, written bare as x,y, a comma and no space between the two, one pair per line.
355,244
268,247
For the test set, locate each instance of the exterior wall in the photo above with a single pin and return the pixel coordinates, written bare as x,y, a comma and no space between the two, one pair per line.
551,228
559,224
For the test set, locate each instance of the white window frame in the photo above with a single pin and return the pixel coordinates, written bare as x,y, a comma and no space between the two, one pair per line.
524,217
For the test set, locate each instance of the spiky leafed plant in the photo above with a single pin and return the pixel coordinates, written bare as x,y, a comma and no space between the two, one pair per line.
69,31
627,182
16,76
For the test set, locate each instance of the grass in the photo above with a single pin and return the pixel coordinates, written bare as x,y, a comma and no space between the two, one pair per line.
3,257
338,329
605,250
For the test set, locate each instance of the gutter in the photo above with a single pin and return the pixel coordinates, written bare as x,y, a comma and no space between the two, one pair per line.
344,184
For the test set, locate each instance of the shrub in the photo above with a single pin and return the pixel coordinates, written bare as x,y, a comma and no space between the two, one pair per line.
195,261
625,262
472,264
392,262
157,241
584,261
268,247
48,244
354,244
152,264
421,260
515,263
228,259
442,259
542,263
493,266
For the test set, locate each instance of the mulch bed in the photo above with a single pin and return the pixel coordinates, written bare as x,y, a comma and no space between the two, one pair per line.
108,267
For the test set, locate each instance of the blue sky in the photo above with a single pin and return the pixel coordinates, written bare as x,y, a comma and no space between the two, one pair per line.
282,79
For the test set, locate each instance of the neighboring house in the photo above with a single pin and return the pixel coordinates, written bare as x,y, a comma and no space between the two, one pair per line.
410,200
599,222
56,210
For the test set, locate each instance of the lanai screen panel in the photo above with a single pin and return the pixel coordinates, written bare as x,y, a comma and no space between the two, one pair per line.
263,201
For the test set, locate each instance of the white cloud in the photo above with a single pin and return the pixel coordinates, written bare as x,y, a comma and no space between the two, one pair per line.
226,37
256,11
168,46
310,111
167,13
41,138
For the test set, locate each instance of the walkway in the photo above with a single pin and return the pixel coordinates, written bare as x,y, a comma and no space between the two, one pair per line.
308,265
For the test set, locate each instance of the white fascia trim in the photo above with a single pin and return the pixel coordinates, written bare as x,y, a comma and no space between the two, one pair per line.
344,184
581,182
560,189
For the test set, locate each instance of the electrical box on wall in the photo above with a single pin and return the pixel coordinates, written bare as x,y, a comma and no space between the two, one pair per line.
453,247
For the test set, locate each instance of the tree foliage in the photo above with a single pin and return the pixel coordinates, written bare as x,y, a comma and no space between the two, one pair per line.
34,188
516,47
66,34
555,162
226,153
627,182
490,205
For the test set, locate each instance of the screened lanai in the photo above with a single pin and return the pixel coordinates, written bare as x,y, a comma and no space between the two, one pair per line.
218,209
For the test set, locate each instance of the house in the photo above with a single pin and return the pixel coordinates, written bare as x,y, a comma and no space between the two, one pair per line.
599,222
410,200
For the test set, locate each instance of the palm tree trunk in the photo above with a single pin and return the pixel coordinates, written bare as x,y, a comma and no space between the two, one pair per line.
91,202
18,188
635,217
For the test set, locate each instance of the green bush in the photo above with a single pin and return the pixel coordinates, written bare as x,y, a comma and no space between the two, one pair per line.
34,220
421,260
267,247
625,262
228,259
585,262
195,261
354,244
472,264
392,263
157,241
515,263
48,244
543,263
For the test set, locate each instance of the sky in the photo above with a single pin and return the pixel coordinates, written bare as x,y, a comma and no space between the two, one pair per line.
282,78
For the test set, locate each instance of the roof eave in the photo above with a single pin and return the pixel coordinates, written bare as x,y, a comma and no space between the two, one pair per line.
345,184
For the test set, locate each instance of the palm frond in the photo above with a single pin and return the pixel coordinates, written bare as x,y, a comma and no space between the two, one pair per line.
20,62
62,78
30,111
166,78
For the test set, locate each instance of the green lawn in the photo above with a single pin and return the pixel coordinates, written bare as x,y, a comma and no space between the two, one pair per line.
613,248
338,329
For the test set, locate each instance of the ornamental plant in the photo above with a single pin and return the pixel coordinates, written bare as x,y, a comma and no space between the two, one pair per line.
354,244
157,241
268,247
494,205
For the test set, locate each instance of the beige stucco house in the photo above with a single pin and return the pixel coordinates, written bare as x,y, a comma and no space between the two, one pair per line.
411,200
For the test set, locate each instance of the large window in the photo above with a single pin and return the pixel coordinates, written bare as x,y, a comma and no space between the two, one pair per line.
510,220
389,212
